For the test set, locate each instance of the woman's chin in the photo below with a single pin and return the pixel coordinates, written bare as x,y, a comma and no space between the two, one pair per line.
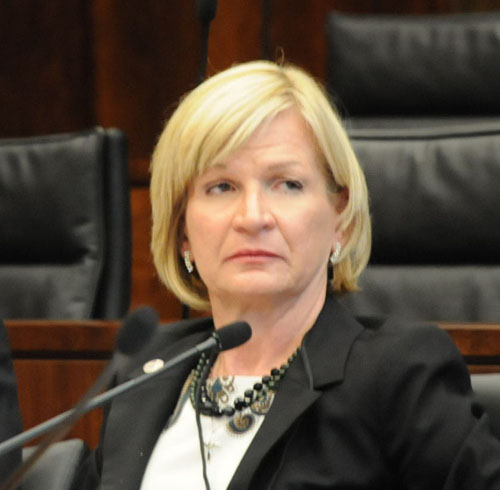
245,289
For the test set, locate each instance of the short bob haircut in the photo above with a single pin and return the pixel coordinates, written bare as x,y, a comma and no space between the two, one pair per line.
215,120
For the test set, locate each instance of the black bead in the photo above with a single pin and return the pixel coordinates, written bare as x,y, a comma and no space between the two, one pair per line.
206,408
259,392
228,411
239,404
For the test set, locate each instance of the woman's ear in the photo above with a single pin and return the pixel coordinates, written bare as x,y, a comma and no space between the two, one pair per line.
341,235
342,199
183,239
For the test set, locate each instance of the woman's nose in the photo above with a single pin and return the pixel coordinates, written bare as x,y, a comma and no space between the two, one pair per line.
253,212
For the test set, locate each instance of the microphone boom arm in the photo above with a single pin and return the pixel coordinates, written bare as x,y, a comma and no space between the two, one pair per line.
102,399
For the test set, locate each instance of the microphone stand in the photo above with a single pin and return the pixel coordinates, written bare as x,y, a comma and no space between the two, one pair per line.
136,330
63,422
207,10
227,337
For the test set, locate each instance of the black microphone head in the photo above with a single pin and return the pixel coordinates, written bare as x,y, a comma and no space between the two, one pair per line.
206,10
233,335
138,327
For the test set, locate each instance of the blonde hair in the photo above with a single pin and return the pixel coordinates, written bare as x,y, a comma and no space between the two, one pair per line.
216,119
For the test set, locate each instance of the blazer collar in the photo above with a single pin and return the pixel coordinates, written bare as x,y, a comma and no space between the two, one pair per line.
321,362
326,346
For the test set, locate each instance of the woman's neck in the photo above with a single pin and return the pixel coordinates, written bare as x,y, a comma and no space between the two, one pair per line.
277,332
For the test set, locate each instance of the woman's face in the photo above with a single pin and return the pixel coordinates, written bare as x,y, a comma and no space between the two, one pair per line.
262,222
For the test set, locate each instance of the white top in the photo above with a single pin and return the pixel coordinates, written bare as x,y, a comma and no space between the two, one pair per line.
175,462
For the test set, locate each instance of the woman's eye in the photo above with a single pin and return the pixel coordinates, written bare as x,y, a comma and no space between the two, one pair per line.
291,185
219,188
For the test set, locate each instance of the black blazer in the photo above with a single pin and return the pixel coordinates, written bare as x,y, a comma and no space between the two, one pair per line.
372,405
10,419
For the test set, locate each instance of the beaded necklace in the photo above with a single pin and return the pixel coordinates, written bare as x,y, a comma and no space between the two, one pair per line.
255,401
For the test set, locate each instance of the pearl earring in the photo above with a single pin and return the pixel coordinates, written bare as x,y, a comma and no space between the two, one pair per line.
334,257
187,261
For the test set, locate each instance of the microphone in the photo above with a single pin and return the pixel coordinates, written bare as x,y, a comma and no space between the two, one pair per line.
225,338
206,10
232,335
137,329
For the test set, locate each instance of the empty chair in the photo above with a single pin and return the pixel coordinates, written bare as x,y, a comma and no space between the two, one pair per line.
421,100
395,70
65,244
57,469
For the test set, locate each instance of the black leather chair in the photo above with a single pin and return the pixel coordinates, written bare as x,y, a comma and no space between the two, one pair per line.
435,201
409,70
421,100
487,389
57,468
65,240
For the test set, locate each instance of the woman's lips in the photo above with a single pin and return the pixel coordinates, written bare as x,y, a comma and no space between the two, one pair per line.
253,255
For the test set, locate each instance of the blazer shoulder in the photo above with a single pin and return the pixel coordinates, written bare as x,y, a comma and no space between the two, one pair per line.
395,343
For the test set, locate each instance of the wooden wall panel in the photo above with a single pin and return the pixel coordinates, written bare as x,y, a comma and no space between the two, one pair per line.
46,72
146,56
48,387
235,34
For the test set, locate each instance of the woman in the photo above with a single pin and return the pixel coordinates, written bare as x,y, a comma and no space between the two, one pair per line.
260,213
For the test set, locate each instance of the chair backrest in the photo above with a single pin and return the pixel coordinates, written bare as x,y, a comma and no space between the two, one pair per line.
407,65
435,205
421,100
487,390
57,469
65,244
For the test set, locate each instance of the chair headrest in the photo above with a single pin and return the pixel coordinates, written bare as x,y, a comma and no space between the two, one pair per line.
414,65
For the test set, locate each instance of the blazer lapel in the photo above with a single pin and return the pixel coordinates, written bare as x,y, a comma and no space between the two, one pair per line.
320,363
293,399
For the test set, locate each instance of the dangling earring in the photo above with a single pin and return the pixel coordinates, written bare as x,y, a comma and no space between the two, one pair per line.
334,257
187,261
